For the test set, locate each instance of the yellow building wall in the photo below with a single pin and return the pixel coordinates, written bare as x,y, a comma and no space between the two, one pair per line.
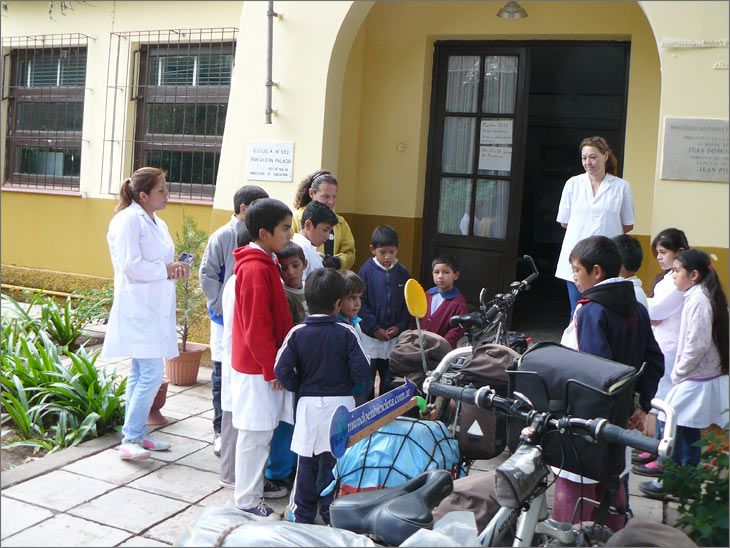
694,85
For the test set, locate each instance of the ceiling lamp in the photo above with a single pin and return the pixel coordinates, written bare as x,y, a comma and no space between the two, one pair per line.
511,10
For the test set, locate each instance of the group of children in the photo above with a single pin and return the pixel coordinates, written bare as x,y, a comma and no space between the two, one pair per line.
298,340
679,334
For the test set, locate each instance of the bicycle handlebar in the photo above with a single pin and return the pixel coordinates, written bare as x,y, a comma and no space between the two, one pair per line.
599,429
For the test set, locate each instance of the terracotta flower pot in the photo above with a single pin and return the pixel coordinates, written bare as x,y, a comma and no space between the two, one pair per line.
183,370
156,418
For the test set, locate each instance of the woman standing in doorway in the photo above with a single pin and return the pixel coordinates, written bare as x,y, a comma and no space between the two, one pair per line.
595,203
321,186
142,319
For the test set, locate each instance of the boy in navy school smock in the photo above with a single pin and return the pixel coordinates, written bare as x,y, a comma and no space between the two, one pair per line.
611,324
321,360
384,312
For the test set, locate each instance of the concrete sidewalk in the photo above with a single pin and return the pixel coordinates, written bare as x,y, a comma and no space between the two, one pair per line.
88,496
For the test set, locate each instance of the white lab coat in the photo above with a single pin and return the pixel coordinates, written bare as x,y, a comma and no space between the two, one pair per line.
588,215
142,319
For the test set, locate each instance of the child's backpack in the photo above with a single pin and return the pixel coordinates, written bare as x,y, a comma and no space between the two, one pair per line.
483,435
567,382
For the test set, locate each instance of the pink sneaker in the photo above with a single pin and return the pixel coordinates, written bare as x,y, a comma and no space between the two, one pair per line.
133,451
152,444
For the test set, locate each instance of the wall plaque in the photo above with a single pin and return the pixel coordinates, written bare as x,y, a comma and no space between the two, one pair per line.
696,149
270,161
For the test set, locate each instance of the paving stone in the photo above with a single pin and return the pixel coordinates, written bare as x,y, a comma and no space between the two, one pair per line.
142,542
208,415
180,446
109,467
65,530
16,516
194,427
129,509
188,404
204,459
171,529
201,391
179,482
221,498
646,508
52,490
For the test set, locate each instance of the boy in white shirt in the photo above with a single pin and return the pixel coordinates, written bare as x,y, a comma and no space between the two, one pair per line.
631,258
317,223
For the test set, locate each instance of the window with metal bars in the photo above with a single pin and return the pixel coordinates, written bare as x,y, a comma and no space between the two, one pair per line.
45,117
182,100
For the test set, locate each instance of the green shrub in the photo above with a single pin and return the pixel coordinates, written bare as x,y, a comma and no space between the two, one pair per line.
50,404
703,491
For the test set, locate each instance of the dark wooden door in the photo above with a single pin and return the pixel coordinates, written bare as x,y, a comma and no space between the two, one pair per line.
476,162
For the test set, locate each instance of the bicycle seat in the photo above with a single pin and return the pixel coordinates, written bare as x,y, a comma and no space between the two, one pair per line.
467,321
393,514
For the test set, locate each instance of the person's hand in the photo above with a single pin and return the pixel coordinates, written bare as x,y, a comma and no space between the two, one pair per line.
276,385
392,332
178,270
637,420
380,334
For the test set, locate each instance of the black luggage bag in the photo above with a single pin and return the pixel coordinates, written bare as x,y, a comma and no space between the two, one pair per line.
567,382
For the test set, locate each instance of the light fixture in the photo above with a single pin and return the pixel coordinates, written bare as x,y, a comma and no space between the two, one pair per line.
511,10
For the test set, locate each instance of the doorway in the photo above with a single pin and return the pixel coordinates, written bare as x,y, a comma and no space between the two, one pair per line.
502,157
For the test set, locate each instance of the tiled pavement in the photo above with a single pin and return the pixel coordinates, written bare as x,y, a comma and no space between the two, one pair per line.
88,496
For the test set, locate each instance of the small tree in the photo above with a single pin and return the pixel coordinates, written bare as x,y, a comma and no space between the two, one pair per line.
191,303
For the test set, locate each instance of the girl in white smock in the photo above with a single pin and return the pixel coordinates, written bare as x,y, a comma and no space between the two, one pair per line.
699,393
142,319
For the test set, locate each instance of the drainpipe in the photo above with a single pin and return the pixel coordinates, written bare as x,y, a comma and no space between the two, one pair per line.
269,58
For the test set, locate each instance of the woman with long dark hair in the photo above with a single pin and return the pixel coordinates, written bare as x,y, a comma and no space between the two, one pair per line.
142,319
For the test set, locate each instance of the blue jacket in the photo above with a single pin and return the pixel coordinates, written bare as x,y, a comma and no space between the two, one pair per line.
321,357
383,303
613,325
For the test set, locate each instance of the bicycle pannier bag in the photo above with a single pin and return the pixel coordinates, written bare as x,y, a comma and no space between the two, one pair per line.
405,360
567,382
483,435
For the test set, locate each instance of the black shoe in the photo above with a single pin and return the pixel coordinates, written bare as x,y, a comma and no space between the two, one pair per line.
654,489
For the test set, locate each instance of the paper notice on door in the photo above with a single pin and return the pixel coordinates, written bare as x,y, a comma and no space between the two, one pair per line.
495,158
495,132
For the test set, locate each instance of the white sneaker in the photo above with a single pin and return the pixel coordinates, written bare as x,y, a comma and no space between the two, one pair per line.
217,445
154,444
133,451
226,484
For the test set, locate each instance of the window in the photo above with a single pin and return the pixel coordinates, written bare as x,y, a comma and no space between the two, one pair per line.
45,113
182,101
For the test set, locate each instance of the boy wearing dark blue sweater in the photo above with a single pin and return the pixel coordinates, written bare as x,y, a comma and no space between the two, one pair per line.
384,312
321,360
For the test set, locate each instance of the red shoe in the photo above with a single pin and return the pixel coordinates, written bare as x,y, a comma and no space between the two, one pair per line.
652,469
643,458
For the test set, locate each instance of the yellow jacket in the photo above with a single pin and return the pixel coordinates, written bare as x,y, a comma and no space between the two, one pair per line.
344,240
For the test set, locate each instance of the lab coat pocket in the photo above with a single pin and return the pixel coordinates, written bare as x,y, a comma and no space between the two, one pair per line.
136,302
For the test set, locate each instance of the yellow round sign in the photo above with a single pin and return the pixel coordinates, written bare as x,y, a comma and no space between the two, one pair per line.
415,298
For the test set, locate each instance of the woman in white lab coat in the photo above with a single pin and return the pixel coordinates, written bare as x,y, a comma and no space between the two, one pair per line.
142,319
595,203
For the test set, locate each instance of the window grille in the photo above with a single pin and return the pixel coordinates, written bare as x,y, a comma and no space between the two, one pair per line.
45,100
179,81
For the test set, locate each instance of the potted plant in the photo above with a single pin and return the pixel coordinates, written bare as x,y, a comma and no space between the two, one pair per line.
191,305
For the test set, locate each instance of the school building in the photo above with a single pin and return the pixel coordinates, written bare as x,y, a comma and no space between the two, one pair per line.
430,113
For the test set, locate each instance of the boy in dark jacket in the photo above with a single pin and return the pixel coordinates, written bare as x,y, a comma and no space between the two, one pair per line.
321,360
384,312
610,324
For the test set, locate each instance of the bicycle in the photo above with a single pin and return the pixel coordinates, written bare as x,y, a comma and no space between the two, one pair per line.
393,514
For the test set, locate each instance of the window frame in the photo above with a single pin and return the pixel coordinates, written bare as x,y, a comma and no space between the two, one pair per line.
146,95
31,138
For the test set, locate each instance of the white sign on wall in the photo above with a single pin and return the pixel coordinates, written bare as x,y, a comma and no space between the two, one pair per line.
270,160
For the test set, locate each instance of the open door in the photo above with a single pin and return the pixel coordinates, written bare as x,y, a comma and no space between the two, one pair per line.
476,162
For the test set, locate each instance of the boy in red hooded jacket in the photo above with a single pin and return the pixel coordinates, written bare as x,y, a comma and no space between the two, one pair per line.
261,320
